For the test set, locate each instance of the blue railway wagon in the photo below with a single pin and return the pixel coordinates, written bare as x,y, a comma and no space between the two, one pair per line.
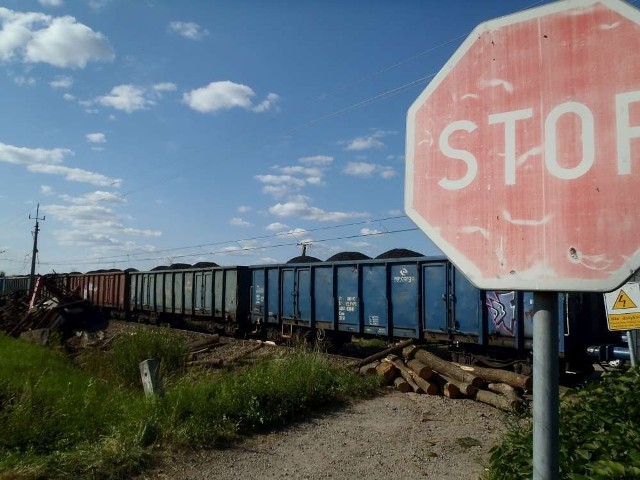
376,297
424,298
218,294
9,285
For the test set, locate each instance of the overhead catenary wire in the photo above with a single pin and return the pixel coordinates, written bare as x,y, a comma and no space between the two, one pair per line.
238,240
237,250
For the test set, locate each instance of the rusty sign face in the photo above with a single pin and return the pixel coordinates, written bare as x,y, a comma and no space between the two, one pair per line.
523,153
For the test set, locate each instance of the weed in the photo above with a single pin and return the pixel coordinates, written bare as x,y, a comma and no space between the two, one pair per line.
599,435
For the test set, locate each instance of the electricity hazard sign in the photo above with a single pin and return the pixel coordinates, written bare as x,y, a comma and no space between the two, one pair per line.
623,307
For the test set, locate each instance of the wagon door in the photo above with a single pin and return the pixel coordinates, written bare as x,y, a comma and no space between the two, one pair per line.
405,300
435,298
348,298
467,311
374,299
296,296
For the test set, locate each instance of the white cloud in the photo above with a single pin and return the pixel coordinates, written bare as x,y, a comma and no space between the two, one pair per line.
216,96
243,209
28,156
299,207
190,30
46,190
359,169
239,222
367,142
96,226
296,233
280,180
164,87
61,82
51,3
387,172
364,169
321,160
280,185
128,98
98,196
297,169
98,4
277,191
68,97
96,137
75,174
40,160
276,227
267,104
63,42
22,81
369,231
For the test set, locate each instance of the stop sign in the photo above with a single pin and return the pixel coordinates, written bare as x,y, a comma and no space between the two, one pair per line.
523,153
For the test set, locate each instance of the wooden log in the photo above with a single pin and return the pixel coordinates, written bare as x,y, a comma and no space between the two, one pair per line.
499,401
409,352
447,368
402,385
420,368
369,369
238,356
448,389
193,354
495,375
383,353
210,340
387,370
504,389
404,372
211,363
466,389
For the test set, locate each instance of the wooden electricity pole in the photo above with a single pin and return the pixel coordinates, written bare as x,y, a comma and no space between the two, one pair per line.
35,248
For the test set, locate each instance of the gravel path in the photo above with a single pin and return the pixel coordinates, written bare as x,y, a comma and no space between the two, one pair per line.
395,434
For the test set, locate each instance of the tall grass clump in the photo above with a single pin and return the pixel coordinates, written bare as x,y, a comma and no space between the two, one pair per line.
57,421
599,435
121,364
266,395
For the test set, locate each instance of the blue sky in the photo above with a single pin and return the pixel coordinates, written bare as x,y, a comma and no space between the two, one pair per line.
155,132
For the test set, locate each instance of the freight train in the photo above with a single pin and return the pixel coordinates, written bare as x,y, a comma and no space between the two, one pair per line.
390,297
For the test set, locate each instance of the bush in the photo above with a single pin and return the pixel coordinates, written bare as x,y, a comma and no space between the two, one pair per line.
599,434
267,395
122,362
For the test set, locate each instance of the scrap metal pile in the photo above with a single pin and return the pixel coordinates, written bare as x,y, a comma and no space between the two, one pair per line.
50,308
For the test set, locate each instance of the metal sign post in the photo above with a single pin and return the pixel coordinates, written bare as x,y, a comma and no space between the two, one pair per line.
546,403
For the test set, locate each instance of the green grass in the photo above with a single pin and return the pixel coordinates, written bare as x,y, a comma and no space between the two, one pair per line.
599,435
58,421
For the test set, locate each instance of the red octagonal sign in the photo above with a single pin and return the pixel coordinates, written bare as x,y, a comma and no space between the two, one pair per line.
523,153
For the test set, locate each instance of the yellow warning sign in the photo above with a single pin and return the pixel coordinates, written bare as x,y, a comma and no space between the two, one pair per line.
623,302
624,321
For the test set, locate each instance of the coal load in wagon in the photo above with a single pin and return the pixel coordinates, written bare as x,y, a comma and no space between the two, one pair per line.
180,266
304,259
399,253
343,256
205,265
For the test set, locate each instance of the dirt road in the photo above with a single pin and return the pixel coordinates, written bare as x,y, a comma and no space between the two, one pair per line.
395,435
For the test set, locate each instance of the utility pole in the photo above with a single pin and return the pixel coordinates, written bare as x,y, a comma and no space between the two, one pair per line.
304,246
35,247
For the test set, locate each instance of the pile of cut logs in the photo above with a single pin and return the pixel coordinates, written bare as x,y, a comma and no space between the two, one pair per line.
421,371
